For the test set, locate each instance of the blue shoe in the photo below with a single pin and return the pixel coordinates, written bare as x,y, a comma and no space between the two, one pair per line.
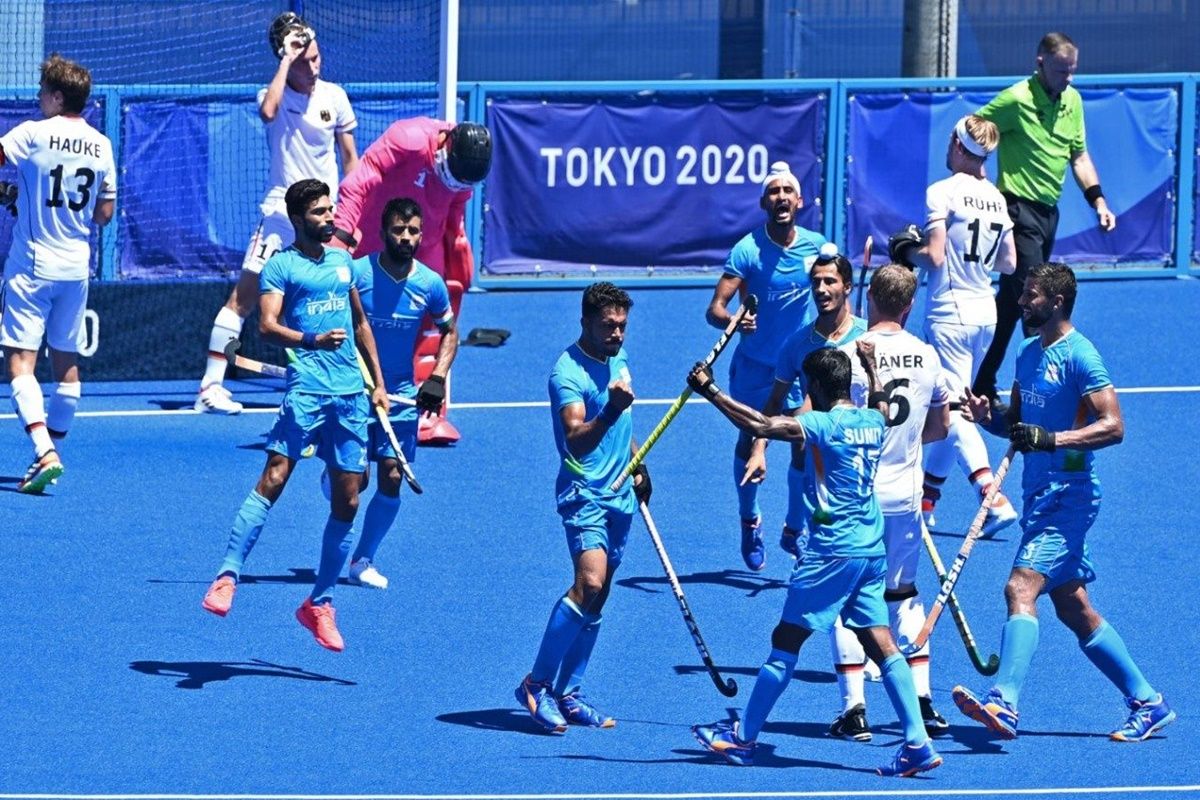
788,540
994,713
578,711
910,760
722,738
539,700
753,551
1146,718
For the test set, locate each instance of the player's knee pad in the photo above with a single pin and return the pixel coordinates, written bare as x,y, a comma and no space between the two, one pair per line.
788,637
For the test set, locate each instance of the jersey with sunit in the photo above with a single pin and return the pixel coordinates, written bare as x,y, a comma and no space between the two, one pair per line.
975,217
64,167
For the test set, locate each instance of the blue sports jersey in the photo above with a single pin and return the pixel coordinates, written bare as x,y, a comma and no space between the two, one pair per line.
579,378
1053,382
841,453
397,310
804,341
778,277
316,299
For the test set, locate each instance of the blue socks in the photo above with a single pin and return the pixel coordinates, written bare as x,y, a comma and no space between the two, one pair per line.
795,507
381,513
773,678
1106,649
747,495
1018,641
574,663
247,525
335,545
566,622
898,681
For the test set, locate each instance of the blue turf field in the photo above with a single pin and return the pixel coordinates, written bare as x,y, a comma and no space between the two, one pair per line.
116,682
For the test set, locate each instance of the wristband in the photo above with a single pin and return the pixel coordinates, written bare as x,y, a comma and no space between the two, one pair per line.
875,398
610,416
308,341
1092,194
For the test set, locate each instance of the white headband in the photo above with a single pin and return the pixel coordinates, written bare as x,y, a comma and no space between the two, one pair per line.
781,171
967,141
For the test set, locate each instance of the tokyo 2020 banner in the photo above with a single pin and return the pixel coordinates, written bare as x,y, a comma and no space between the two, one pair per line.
665,182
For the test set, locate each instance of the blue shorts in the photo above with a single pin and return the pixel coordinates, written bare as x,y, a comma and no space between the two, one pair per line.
335,426
822,587
1054,532
750,383
590,526
405,426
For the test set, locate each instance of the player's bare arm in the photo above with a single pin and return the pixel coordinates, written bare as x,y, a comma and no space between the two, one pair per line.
270,306
584,435
931,255
348,151
782,427
937,424
718,308
1107,429
1089,182
875,397
103,213
447,348
274,96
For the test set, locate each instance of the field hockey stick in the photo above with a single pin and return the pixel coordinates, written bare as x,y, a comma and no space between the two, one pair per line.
276,371
726,686
951,578
382,414
992,665
749,306
862,276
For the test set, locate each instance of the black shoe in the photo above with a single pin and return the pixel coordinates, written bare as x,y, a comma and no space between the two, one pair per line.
852,725
935,723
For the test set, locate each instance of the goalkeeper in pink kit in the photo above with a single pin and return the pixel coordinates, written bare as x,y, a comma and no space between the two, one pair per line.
437,164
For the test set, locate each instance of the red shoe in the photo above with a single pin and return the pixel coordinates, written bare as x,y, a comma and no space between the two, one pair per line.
219,597
319,620
436,431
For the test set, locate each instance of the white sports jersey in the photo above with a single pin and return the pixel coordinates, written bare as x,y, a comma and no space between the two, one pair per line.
975,216
63,167
911,375
301,138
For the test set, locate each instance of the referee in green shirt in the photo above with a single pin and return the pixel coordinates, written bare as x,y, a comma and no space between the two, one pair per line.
1041,132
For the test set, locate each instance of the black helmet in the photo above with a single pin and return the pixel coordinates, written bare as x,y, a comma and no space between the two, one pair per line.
286,23
469,151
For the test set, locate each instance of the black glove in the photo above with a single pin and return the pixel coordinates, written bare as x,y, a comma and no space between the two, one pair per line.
1027,438
8,197
903,242
702,382
432,394
642,489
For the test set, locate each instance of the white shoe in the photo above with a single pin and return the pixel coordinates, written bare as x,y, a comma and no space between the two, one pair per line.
1000,515
216,399
363,573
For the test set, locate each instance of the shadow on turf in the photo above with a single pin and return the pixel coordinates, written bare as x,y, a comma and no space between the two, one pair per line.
750,582
495,719
195,674
299,575
805,675
765,756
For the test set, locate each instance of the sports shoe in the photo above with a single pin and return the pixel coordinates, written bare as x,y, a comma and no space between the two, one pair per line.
219,596
928,504
539,700
436,431
935,723
216,399
753,551
578,711
41,473
994,713
910,760
852,724
1146,718
1000,515
319,620
363,573
788,540
722,738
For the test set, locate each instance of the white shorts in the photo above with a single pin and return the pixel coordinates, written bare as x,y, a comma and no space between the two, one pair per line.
37,308
902,541
961,349
274,233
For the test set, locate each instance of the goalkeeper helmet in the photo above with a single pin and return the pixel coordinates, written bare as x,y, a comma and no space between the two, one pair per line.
285,24
469,147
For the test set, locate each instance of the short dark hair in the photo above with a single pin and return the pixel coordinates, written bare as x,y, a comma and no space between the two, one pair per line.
301,194
845,269
1055,278
829,368
602,295
400,208
69,77
893,288
1053,44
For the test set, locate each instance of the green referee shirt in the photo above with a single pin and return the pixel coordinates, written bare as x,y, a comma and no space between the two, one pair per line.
1037,138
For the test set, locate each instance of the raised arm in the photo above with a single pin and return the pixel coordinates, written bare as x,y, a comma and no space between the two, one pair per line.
718,314
755,423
